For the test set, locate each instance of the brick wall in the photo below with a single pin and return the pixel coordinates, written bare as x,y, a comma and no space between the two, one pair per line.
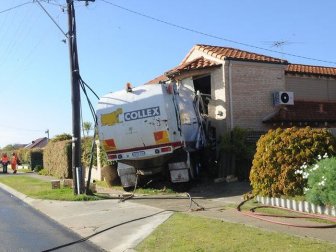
252,87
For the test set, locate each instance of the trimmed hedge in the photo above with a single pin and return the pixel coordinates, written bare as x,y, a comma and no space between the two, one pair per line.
280,153
57,159
24,155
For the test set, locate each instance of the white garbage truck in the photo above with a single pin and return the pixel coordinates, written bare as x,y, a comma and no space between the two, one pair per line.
153,129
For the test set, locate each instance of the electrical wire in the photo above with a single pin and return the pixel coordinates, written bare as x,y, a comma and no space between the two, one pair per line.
21,129
104,230
52,19
93,112
15,7
133,220
211,35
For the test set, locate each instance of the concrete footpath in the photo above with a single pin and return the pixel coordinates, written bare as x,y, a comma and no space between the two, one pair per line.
89,218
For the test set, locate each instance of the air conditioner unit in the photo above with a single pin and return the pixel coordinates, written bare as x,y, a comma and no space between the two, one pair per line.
283,98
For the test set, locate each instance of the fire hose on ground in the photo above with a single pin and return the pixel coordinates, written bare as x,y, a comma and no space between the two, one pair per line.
267,217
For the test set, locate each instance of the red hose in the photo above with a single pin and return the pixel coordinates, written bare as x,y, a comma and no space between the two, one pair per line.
262,216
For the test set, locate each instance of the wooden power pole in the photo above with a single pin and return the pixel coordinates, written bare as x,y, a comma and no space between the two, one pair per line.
77,169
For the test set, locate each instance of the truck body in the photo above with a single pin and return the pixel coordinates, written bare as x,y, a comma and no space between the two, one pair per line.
151,128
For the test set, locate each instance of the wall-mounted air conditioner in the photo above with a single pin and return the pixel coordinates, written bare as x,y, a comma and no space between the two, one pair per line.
283,98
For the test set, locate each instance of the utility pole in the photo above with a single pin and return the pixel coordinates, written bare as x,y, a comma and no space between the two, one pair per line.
47,132
77,170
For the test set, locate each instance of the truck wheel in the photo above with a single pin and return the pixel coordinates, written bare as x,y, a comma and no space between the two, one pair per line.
128,189
110,175
181,187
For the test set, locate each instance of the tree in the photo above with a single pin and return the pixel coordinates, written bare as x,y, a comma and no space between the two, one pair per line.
61,137
87,126
9,147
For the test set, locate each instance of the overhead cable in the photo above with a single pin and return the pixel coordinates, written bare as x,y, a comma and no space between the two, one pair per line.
52,19
213,36
21,129
15,7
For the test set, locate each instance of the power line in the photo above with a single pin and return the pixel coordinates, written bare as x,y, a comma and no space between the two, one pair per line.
210,35
52,19
21,129
15,7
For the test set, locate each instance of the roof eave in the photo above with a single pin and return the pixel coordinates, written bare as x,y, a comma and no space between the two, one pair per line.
171,74
256,61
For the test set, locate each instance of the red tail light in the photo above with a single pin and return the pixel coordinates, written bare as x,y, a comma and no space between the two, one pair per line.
166,149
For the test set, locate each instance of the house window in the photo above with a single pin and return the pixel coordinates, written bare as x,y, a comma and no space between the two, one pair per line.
202,84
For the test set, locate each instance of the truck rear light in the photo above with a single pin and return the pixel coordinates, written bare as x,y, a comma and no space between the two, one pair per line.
166,149
120,156
109,144
157,151
112,156
161,137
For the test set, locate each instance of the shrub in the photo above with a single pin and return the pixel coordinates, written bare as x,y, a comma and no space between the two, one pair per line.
38,168
57,159
61,137
103,157
86,152
321,188
238,150
280,153
24,155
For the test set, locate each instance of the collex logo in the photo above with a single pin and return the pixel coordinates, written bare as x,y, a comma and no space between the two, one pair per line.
142,113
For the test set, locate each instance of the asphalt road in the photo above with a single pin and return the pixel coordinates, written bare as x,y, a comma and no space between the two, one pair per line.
22,228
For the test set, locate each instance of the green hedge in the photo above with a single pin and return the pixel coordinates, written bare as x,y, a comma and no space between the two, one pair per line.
238,152
32,157
86,152
57,159
24,155
280,153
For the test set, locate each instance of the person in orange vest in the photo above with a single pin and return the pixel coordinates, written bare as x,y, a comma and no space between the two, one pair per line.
14,162
4,162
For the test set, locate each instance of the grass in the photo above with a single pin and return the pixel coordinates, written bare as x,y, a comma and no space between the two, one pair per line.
159,190
25,170
184,232
40,189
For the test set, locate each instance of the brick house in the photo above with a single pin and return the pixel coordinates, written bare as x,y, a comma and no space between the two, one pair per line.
241,85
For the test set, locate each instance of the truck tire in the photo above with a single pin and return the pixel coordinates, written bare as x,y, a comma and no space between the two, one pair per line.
181,187
128,189
110,175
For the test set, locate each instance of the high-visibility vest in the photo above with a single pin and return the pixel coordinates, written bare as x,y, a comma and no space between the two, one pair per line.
4,160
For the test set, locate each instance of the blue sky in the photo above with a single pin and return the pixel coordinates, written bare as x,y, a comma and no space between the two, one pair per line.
116,46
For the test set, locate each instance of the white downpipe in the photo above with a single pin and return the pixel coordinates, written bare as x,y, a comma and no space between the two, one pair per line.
230,94
78,175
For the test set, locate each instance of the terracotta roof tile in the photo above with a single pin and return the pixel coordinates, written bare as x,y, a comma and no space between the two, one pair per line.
158,79
199,63
311,70
305,111
237,54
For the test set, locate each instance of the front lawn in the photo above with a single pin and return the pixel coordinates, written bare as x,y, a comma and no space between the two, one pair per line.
40,189
183,232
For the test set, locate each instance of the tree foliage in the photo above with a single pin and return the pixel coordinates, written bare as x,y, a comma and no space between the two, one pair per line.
280,153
